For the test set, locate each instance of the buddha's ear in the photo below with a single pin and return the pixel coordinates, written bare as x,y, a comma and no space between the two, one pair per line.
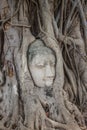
2,78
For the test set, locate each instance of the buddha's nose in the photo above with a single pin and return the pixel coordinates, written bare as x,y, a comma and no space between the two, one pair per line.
49,71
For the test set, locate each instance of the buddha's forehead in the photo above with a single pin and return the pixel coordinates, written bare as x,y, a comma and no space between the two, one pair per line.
38,52
38,47
43,58
42,50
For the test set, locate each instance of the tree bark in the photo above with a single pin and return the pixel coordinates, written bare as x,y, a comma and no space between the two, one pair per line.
21,23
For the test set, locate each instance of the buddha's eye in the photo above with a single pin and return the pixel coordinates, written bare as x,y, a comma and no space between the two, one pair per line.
52,64
40,66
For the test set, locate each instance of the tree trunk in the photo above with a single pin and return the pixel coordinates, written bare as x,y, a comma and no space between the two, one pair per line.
57,24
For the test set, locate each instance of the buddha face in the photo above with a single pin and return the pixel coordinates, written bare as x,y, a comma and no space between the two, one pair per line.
42,69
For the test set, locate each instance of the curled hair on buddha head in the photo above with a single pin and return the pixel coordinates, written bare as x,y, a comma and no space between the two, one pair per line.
38,47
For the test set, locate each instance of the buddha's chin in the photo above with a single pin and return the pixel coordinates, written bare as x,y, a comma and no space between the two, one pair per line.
49,83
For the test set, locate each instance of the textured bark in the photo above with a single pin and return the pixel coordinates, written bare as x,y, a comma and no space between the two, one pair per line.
58,25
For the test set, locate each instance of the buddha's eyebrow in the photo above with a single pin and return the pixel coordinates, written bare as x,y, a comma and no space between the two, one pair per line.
40,63
52,61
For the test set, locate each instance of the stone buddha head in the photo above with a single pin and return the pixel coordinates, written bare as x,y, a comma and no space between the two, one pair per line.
41,63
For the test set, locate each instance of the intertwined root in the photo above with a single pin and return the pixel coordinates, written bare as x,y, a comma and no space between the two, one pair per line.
38,119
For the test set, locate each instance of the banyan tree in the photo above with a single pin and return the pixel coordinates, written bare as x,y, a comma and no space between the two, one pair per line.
43,64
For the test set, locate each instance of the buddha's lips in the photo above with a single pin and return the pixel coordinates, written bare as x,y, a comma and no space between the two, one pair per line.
48,79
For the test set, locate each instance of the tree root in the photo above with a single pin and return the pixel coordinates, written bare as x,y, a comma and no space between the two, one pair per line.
42,122
73,110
